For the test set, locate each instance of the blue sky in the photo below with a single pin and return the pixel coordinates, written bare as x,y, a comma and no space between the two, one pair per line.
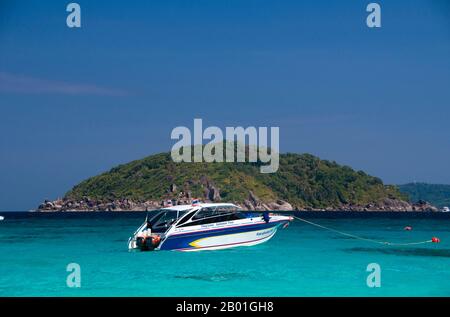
76,102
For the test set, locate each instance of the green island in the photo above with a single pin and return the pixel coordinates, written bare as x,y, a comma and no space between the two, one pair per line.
302,182
436,194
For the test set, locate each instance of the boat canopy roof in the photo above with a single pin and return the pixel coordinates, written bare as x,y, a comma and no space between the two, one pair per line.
198,206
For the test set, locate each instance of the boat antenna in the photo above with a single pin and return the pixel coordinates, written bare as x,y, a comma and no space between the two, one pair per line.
146,219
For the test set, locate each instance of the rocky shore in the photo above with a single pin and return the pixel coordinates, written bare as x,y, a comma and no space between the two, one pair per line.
252,203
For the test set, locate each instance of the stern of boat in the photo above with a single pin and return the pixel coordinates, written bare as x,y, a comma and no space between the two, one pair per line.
144,240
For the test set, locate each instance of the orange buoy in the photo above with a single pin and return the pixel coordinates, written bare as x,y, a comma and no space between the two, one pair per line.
155,240
407,228
435,240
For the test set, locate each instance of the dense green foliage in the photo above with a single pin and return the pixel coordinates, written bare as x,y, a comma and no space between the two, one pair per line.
303,180
436,194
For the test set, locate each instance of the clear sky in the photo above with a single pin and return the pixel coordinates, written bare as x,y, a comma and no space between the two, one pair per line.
76,102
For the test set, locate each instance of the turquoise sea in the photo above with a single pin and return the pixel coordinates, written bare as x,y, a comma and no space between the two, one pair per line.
302,260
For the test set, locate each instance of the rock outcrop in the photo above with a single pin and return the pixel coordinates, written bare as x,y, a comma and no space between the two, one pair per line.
252,203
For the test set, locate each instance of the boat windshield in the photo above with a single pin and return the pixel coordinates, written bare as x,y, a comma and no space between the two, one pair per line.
214,214
214,211
164,218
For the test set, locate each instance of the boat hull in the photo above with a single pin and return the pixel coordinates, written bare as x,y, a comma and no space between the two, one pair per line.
222,238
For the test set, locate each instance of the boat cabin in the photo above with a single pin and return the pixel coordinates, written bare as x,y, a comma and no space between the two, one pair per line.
188,215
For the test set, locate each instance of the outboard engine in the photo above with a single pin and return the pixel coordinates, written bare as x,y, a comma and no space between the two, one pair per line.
147,242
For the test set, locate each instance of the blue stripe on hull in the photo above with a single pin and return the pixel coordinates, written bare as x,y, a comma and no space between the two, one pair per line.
182,241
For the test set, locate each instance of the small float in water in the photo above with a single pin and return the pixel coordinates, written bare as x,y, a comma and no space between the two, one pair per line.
201,226
2,218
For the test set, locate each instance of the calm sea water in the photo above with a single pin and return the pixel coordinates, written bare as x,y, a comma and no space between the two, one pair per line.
302,260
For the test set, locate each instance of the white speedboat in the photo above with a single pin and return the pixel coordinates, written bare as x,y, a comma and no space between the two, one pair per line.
445,209
205,227
2,218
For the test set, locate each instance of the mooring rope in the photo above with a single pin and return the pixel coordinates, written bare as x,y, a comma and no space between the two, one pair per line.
362,238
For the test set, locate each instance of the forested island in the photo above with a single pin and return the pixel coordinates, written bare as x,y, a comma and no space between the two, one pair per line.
303,182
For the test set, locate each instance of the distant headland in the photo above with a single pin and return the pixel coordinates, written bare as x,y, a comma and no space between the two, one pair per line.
436,194
303,182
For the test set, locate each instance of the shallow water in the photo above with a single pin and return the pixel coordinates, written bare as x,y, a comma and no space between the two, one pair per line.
301,260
